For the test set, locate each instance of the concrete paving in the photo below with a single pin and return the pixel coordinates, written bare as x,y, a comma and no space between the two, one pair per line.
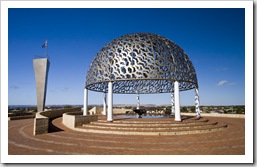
64,141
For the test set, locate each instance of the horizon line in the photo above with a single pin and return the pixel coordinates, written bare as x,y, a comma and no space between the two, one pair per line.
124,104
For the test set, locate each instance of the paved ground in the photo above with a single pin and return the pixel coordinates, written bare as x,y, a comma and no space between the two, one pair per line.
61,140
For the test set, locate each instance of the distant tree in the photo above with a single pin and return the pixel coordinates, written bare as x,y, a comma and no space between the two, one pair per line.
34,109
168,111
67,106
127,107
184,109
192,109
240,111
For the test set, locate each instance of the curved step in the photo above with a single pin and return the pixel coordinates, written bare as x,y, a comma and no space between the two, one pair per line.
150,121
148,127
151,124
216,127
145,126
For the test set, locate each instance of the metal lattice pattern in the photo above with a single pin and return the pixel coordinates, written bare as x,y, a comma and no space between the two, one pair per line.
141,63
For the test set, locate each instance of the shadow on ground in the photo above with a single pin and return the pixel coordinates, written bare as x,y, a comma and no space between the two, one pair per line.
52,128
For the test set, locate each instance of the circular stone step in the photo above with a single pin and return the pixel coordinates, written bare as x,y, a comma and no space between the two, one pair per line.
149,124
157,126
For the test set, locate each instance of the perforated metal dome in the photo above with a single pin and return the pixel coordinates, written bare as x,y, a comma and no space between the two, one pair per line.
141,63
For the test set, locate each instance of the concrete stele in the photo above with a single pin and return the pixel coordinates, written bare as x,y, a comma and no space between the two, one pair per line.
41,68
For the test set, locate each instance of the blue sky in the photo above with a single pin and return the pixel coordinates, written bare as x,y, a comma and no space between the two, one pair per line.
214,40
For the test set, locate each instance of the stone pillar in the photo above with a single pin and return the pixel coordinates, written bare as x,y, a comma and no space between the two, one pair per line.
110,103
177,105
172,104
104,104
197,107
41,67
85,111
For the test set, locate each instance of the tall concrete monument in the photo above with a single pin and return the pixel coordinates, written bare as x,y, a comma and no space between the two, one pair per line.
41,67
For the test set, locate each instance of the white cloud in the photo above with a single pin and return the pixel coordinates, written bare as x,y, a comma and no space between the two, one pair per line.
225,83
222,83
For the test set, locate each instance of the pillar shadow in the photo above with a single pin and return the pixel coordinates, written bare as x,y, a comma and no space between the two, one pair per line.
186,117
119,119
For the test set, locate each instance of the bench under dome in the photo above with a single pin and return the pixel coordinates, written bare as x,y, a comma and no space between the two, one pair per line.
141,63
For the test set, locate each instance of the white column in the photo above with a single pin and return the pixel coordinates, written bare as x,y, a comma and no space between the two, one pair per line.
104,104
85,111
197,103
177,105
138,102
109,114
172,104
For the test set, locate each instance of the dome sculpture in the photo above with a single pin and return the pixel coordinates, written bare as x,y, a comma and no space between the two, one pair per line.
141,63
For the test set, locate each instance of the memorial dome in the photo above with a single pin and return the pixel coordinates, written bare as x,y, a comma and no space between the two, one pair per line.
141,63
